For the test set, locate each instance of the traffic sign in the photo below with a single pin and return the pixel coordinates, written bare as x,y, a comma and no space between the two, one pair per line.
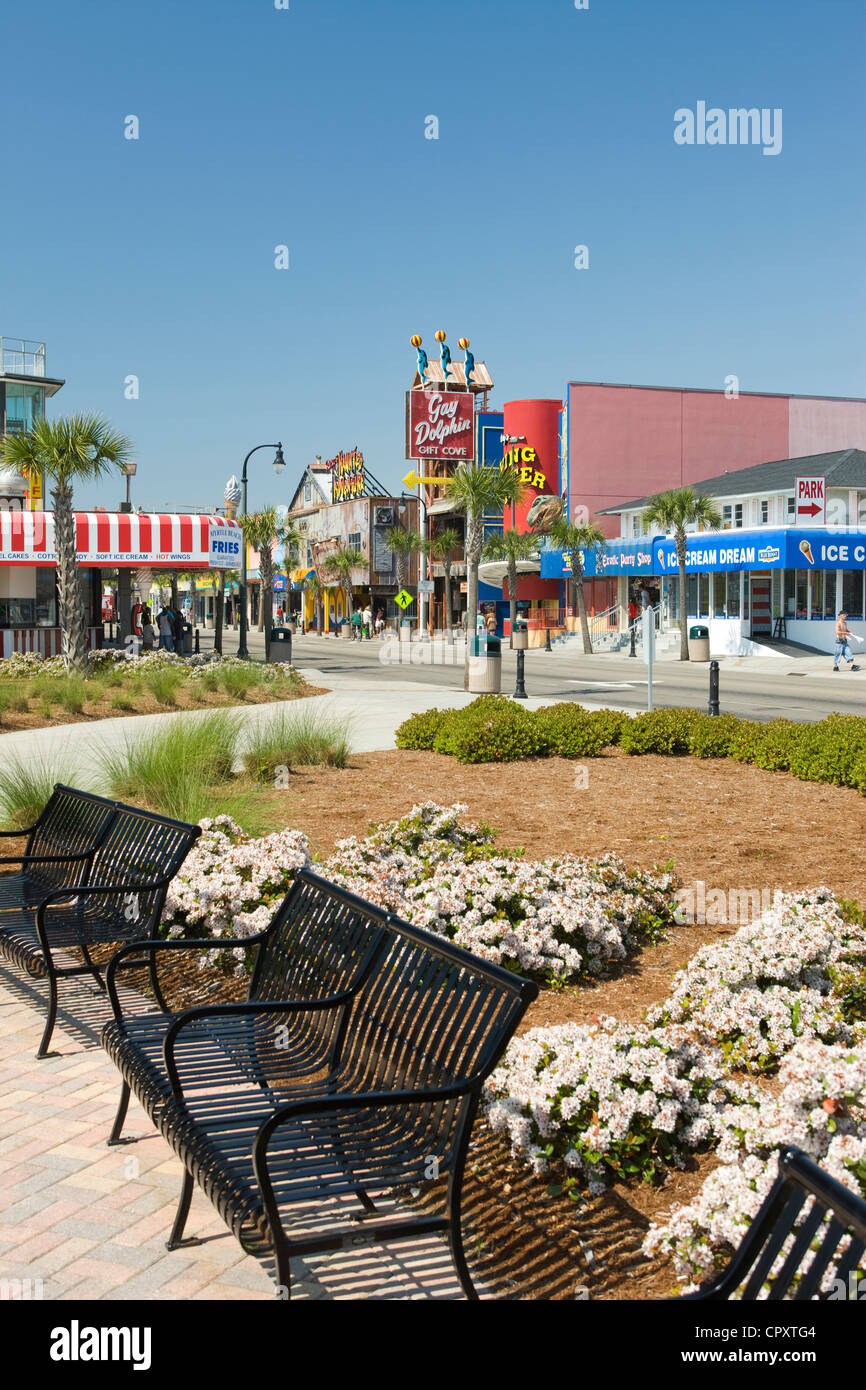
404,598
810,506
426,586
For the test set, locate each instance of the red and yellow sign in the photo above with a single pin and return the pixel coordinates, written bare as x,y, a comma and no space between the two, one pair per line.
349,477
523,461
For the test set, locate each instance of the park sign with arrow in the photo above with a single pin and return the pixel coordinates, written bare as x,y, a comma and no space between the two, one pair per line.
810,506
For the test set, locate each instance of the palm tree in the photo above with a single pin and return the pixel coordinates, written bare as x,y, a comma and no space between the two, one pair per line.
262,531
474,490
512,546
220,579
403,545
320,593
80,448
672,512
340,563
569,535
442,548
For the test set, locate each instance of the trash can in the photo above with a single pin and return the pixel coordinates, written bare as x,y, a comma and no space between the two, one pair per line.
187,639
699,642
280,645
485,666
520,635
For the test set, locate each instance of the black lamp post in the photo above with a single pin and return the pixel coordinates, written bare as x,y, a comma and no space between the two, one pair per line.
279,465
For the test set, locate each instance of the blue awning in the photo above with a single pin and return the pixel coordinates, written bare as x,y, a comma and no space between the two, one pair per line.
719,552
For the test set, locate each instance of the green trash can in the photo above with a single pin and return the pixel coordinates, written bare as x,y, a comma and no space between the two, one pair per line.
280,646
699,642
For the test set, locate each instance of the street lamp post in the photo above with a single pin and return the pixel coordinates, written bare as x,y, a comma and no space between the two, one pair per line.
279,465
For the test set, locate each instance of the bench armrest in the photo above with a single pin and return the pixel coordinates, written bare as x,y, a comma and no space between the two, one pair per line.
178,943
366,1100
27,830
251,1006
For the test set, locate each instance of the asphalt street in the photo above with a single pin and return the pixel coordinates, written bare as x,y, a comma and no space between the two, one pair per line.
801,688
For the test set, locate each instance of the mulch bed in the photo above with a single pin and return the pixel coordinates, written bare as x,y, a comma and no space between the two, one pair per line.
188,698
729,825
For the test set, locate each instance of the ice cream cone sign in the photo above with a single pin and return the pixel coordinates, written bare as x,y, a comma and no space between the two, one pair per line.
806,550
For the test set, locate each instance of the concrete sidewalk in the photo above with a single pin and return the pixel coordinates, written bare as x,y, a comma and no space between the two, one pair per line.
80,1220
373,713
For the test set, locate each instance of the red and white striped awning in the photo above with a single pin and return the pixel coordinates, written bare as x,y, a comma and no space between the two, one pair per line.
116,539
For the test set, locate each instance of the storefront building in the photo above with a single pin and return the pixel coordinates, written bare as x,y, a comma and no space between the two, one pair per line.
127,545
790,556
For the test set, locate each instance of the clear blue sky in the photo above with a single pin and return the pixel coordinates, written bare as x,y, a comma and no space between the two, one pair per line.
306,127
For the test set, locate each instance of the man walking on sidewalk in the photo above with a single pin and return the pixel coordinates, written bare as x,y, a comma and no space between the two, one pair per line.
843,647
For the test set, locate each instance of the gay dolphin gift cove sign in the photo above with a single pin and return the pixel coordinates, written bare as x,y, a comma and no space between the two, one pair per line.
440,425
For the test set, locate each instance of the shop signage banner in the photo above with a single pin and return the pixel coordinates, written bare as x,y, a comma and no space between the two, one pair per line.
224,548
348,474
607,561
810,500
718,553
440,425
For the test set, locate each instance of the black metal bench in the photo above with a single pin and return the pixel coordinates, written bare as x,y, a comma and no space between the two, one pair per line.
116,893
355,1066
60,847
802,1268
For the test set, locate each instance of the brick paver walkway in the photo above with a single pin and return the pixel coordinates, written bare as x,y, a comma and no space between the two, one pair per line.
90,1222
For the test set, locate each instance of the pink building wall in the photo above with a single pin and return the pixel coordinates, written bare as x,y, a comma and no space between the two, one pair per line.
632,441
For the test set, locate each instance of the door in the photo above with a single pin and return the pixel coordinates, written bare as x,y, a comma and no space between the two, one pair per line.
762,617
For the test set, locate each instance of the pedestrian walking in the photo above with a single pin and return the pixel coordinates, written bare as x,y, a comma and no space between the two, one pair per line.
380,622
356,626
490,623
166,629
843,647
368,622
148,632
177,627
280,615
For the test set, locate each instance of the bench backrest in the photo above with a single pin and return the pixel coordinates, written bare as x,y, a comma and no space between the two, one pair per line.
72,822
828,1215
140,847
320,942
431,1014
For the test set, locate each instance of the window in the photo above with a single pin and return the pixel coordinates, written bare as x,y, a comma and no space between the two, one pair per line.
726,518
824,594
738,514
354,540
692,596
802,591
733,595
791,507
852,593
789,593
765,512
704,595
308,491
718,583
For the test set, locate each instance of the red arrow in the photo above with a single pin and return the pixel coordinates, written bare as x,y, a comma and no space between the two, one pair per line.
812,509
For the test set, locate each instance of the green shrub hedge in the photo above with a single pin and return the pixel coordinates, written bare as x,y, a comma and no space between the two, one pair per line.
494,728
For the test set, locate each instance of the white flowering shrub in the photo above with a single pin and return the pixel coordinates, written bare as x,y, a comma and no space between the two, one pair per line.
557,920
608,1100
229,886
821,1108
770,984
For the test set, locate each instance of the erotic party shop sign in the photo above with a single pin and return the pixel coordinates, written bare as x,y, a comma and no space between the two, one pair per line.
439,425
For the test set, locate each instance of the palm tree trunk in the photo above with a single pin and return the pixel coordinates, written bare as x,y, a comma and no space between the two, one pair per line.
266,594
175,598
73,619
512,596
474,539
684,634
219,614
449,625
577,584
